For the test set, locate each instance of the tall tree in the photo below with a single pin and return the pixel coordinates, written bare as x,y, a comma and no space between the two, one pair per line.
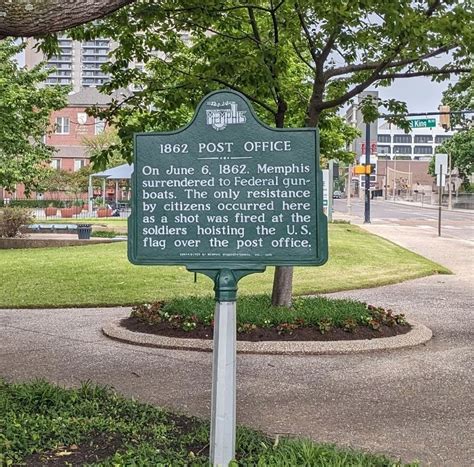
460,97
41,17
461,150
298,61
24,118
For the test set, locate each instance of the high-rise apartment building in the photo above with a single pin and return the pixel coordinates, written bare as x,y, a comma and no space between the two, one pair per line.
78,64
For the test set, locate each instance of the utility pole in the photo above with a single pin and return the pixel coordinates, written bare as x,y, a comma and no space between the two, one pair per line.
367,174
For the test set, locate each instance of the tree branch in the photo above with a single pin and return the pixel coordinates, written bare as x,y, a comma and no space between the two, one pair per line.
214,31
439,71
372,65
311,67
375,76
48,16
312,48
329,45
270,66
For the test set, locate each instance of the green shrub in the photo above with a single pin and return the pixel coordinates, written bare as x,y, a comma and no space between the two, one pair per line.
11,219
106,234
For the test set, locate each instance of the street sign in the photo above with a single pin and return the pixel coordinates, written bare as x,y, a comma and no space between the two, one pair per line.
227,190
423,123
440,179
441,163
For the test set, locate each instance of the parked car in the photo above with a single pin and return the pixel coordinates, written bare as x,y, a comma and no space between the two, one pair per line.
337,194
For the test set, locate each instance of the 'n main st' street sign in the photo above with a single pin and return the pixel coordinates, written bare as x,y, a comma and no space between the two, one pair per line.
423,123
227,190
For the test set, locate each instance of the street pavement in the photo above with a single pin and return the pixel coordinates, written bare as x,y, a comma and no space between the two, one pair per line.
457,223
413,403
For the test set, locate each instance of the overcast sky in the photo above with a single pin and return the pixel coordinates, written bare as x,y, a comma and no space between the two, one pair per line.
420,94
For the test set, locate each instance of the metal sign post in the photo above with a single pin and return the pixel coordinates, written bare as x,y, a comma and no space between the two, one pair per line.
440,199
441,169
226,196
224,358
222,444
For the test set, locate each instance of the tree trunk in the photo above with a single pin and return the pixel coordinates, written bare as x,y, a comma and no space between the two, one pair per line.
40,17
283,278
282,292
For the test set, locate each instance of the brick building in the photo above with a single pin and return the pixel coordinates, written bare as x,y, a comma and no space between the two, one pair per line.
69,127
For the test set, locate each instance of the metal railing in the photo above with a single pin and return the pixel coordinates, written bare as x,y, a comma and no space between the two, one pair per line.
72,210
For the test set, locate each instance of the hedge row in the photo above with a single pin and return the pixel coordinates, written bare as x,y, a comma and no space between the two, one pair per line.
41,203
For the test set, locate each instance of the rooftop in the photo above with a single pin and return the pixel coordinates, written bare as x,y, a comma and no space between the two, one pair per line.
91,96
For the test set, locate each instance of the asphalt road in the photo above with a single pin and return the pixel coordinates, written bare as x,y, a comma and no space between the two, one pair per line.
455,224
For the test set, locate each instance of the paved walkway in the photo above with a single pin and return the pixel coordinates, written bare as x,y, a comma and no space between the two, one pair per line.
414,403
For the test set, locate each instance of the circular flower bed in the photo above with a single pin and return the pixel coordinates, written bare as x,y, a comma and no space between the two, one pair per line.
309,318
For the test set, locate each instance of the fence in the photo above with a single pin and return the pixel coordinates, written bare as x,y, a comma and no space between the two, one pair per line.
73,210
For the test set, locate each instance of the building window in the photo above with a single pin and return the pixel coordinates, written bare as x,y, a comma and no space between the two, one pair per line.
79,164
423,150
99,126
383,149
402,139
384,138
56,164
439,139
423,138
402,149
62,125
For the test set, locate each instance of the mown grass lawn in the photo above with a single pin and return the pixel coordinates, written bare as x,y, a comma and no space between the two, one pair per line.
44,424
101,274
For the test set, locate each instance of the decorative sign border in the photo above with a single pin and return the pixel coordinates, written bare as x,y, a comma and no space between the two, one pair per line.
219,118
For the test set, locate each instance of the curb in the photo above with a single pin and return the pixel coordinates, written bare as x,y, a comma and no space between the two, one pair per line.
419,334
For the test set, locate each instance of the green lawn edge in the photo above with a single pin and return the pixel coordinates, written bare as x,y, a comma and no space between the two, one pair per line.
100,275
39,417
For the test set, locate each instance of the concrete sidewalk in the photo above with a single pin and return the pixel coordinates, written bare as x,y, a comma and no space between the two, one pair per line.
419,204
414,404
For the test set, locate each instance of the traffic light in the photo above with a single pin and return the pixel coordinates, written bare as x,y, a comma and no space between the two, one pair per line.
444,118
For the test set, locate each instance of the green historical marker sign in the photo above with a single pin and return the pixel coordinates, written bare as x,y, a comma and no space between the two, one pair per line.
227,191
226,196
423,123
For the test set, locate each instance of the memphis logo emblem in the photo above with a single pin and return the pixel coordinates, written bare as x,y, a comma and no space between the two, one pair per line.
224,114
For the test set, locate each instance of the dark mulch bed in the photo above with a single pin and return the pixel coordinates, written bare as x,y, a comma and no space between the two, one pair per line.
97,448
100,446
268,334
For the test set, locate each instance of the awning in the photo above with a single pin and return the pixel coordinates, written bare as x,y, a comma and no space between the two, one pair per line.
121,172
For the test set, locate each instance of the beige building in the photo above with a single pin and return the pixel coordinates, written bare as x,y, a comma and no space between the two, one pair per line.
77,65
